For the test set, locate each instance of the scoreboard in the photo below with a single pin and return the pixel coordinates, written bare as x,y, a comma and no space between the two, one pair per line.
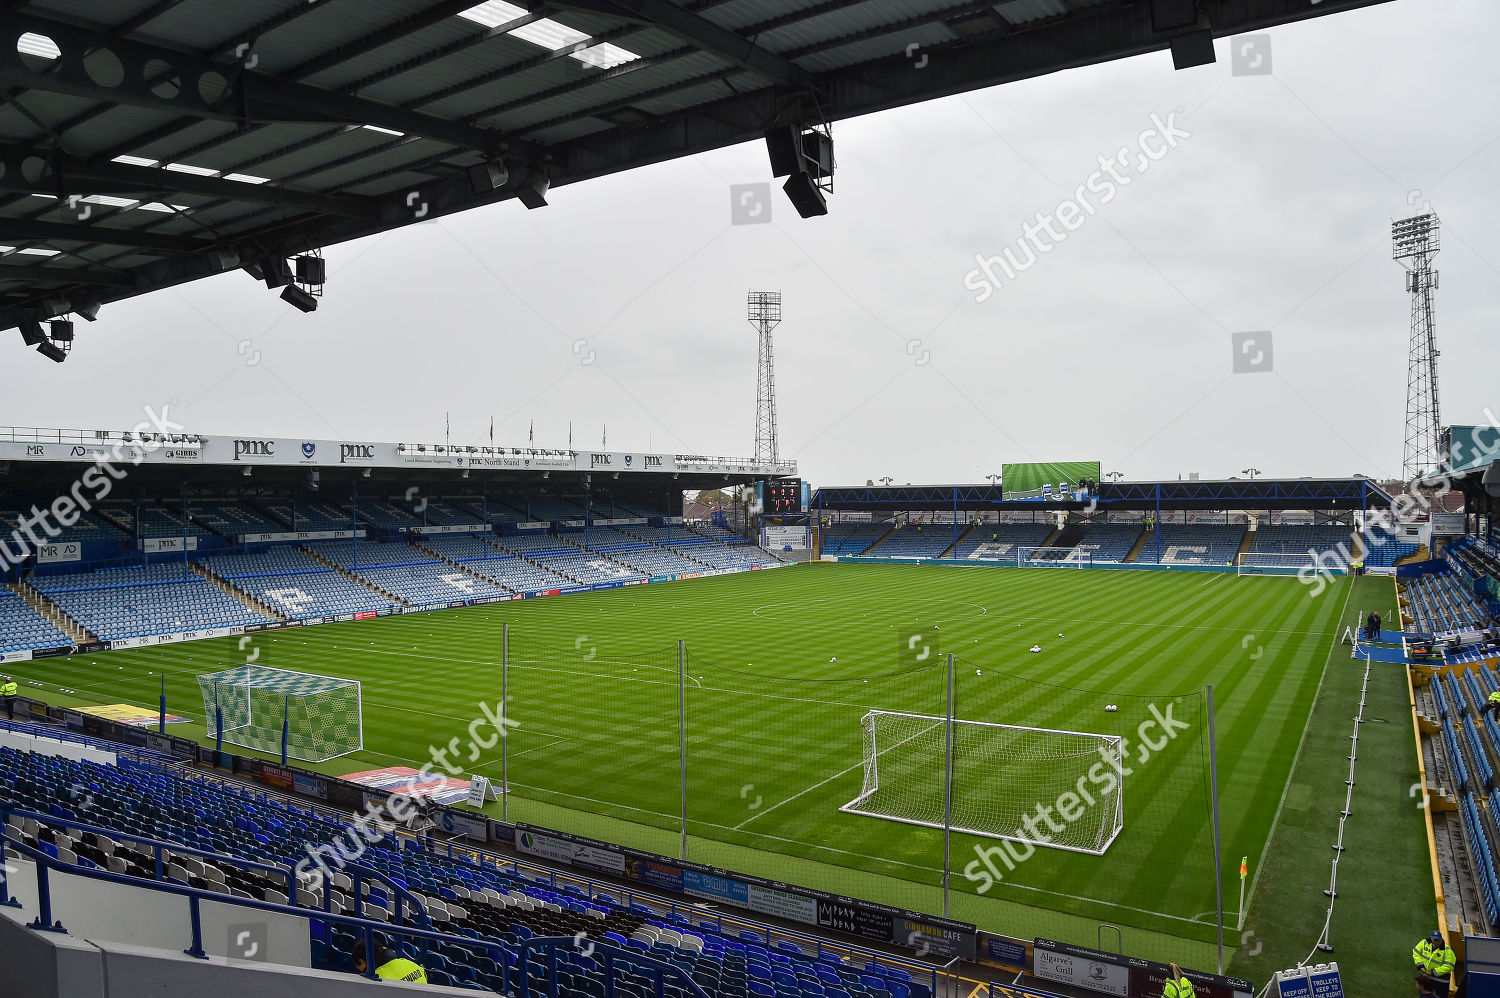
783,497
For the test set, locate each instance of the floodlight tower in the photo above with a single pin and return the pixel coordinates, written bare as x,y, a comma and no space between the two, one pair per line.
1415,243
765,315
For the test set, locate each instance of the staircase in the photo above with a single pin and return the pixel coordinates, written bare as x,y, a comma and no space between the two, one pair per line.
879,541
265,609
315,556
1245,543
951,550
1069,536
1145,538
54,614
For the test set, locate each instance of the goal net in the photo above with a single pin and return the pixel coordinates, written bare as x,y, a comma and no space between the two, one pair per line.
1004,779
1040,557
321,713
1276,563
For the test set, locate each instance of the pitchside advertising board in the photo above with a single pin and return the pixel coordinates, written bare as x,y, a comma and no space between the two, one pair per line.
281,452
1113,974
1321,981
927,934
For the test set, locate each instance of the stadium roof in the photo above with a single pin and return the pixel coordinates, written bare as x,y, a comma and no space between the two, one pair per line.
156,142
1326,494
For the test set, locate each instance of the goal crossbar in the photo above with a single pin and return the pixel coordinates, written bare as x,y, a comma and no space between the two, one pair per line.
918,739
1053,557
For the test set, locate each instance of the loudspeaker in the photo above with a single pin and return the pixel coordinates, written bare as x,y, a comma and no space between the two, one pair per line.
297,298
62,330
31,332
311,270
817,152
533,193
1196,48
277,272
52,352
486,177
782,143
805,195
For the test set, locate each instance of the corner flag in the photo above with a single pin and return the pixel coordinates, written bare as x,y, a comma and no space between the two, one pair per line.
1244,867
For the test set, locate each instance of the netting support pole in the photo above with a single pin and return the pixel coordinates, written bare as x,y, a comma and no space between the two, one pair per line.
161,723
218,725
1213,786
948,792
286,727
504,710
682,735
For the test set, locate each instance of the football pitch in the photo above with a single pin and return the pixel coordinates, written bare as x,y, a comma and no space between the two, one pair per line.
779,668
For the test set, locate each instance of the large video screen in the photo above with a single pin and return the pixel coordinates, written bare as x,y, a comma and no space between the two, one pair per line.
1025,480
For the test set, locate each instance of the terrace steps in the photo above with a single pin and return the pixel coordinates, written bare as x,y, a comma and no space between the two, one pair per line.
1245,544
244,597
461,566
54,614
1140,544
318,557
948,551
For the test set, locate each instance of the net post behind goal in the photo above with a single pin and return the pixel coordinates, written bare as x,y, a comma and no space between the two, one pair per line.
1278,563
1001,775
1053,557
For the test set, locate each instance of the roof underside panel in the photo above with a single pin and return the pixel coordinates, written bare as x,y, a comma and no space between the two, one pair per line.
319,117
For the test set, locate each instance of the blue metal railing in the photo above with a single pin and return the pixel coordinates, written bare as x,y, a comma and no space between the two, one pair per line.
367,928
58,733
611,955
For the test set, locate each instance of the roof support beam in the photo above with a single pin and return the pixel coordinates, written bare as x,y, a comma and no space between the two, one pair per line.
16,229
35,274
65,175
702,33
169,80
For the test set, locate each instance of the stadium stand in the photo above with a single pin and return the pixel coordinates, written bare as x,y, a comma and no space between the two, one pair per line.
916,541
229,840
1282,538
518,575
231,519
852,538
309,515
387,515
1192,544
1439,603
1384,550
368,554
154,520
22,628
586,567
433,584
120,603
1110,542
998,541
88,527
294,584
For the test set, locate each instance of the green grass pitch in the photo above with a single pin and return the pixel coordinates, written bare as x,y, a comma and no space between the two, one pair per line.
780,668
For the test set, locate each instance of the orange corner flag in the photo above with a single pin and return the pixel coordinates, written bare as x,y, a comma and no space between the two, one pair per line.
1244,869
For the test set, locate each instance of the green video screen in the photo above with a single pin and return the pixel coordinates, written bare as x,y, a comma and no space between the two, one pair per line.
1028,478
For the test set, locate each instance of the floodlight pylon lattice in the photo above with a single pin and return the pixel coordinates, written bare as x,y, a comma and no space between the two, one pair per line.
764,313
1415,242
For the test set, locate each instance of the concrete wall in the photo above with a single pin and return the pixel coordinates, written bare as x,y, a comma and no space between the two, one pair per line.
92,909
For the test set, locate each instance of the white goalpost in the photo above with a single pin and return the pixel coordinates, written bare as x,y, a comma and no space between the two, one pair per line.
1045,557
1276,563
253,705
1004,779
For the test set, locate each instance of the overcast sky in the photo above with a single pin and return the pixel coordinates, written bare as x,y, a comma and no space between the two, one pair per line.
1273,214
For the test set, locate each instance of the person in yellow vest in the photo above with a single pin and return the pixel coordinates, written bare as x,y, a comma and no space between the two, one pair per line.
8,693
1177,986
388,967
1435,966
1492,704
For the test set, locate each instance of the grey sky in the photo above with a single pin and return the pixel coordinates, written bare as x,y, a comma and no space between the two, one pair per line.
1116,345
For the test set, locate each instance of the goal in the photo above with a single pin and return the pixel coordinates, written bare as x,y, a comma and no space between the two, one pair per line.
1277,563
1041,557
322,714
1003,775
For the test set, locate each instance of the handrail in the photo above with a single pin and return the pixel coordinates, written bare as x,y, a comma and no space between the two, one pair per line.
360,872
36,729
611,954
195,896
